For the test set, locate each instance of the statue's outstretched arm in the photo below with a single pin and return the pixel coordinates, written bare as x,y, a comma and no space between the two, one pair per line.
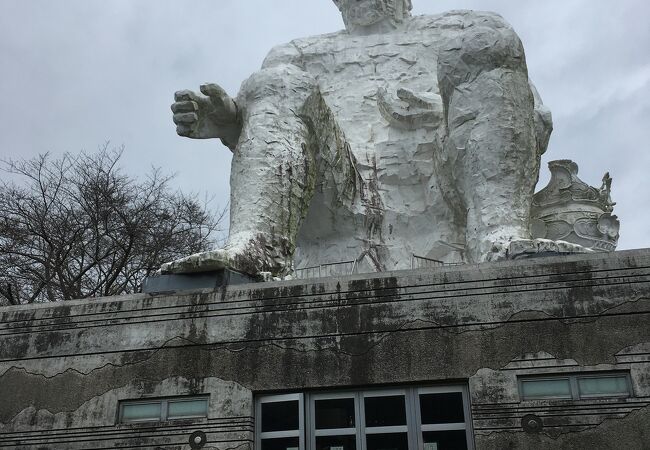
211,114
273,169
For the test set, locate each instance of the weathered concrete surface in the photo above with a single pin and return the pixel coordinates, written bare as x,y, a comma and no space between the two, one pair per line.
63,368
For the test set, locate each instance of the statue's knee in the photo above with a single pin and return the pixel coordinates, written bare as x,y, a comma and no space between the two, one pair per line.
482,47
284,80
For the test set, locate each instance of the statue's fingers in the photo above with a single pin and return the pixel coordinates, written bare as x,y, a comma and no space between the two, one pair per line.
185,96
406,95
424,100
213,90
413,99
426,119
404,118
385,108
185,118
183,130
185,106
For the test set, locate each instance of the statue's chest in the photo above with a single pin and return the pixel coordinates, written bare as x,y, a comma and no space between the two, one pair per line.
355,67
350,72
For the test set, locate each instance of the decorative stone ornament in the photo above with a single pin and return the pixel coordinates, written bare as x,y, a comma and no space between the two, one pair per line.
532,424
570,210
197,440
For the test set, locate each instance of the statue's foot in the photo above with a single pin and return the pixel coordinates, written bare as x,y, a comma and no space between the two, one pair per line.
250,256
202,262
529,248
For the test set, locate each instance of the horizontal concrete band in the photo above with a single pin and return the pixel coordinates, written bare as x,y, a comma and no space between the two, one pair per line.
459,298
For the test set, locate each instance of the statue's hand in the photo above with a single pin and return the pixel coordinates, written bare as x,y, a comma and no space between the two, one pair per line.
412,110
211,115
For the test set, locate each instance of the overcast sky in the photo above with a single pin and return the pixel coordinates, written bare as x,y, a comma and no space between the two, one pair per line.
76,73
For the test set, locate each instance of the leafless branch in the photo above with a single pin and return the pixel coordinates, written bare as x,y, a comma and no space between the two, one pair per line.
78,227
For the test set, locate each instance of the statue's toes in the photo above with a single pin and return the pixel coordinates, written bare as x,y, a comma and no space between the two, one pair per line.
164,269
498,252
200,262
214,260
539,247
173,266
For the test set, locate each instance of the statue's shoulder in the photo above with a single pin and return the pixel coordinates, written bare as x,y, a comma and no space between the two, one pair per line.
282,54
457,21
292,52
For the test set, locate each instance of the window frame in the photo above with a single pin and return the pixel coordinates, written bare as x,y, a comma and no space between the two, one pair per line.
574,386
377,393
300,433
310,416
413,428
164,408
466,426
625,375
522,380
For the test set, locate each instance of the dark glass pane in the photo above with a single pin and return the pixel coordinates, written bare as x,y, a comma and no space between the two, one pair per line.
291,443
280,416
396,441
336,442
442,408
445,440
385,411
334,413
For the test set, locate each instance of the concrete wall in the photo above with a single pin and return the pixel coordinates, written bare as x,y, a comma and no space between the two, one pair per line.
64,367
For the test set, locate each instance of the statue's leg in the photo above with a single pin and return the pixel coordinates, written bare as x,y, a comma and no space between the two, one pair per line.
490,157
272,176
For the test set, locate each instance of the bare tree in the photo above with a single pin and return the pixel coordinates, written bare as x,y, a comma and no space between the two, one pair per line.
79,227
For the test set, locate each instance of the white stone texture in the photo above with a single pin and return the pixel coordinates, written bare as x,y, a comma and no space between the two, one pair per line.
410,135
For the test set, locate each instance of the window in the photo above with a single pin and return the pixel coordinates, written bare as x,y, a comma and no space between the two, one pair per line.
444,415
434,418
575,387
134,411
335,421
281,423
603,386
546,388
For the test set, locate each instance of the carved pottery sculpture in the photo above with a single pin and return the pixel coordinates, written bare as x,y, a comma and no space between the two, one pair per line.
400,135
570,210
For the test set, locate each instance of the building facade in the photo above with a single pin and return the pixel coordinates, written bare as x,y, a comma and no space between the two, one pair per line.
545,353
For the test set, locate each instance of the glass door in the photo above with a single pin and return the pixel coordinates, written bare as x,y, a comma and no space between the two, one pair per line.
442,415
280,424
385,420
335,421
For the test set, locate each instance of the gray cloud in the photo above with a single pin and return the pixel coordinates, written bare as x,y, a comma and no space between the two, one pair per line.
79,72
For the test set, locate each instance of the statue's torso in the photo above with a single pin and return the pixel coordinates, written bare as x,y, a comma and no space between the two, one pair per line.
397,163
350,69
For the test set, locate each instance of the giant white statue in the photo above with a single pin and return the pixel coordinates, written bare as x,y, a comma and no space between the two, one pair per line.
400,135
